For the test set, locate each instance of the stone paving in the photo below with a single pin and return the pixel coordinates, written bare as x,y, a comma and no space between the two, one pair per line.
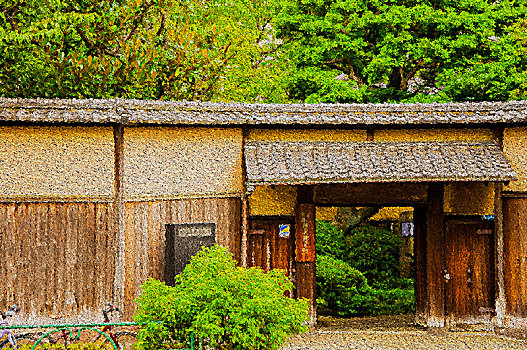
389,332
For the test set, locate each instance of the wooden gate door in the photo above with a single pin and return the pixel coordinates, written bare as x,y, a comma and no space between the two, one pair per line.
469,271
270,244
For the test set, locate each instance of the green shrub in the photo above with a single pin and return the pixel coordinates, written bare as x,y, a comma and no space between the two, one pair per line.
341,288
392,301
330,240
373,251
227,307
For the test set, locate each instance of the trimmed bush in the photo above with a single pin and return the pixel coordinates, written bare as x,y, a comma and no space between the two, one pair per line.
392,301
227,307
375,252
341,288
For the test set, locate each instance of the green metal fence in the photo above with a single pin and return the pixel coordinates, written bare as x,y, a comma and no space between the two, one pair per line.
74,331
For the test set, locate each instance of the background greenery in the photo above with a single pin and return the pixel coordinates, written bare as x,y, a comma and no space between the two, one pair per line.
359,274
265,50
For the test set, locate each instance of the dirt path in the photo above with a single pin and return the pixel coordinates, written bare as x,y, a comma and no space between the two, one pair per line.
396,332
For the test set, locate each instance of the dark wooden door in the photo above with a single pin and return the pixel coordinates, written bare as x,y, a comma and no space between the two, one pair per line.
183,241
266,247
469,270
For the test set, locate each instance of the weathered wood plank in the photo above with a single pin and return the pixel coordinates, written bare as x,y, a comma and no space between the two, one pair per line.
368,194
515,255
421,285
469,293
435,255
305,232
306,286
129,260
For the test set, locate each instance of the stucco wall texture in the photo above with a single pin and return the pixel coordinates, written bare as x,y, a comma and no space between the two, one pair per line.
273,200
56,161
515,149
469,199
307,135
172,162
431,135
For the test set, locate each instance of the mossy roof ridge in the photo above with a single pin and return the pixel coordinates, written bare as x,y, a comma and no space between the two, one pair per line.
208,113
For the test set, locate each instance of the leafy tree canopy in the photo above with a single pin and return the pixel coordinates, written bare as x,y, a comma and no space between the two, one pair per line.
147,49
405,50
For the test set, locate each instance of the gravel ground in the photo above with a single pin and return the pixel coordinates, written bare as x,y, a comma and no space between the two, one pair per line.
396,332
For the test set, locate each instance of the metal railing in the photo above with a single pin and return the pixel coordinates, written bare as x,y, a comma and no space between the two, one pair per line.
78,328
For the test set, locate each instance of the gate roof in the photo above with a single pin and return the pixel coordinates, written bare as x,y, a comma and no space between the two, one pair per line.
344,162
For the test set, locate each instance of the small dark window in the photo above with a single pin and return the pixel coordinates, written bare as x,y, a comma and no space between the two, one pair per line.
182,242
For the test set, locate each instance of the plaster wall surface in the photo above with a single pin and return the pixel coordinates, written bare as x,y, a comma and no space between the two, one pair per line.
515,149
431,135
474,198
297,135
273,201
56,161
172,162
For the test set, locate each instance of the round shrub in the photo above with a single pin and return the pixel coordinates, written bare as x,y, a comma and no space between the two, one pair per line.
225,306
341,288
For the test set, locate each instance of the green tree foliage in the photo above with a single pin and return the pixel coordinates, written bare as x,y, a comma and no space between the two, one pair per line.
226,306
373,251
405,50
147,49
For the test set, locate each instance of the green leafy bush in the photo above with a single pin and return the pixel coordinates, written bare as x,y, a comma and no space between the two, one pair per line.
392,301
344,290
375,252
372,250
359,273
341,288
227,307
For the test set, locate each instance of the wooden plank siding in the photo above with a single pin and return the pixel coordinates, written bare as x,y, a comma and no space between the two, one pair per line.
57,258
515,255
145,235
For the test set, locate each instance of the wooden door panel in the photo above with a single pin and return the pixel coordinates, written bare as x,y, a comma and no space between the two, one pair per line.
469,286
266,248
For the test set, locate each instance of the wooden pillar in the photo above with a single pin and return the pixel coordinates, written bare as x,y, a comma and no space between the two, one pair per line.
421,285
119,223
499,255
305,248
245,230
435,243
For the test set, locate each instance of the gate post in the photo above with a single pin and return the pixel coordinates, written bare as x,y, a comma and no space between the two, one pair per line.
435,261
305,248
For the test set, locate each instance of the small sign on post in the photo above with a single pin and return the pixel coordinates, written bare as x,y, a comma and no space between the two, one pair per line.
285,230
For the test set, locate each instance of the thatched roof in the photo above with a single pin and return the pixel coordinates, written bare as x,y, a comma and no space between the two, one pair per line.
275,162
132,112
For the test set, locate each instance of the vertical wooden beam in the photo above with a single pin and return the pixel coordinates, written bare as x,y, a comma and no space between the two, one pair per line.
245,204
501,303
119,227
435,243
422,311
305,248
245,229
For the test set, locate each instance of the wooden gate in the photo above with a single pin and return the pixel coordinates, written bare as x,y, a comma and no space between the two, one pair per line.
469,271
270,243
